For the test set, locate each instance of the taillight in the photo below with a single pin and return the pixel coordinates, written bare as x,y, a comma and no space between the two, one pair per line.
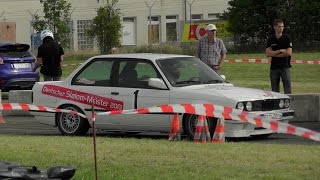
1,61
2,82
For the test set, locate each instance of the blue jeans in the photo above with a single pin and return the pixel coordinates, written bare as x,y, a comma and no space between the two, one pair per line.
284,74
51,78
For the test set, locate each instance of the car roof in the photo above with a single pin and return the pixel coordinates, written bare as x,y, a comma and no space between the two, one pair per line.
150,56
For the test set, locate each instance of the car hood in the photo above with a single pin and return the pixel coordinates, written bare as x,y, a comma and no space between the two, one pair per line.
229,91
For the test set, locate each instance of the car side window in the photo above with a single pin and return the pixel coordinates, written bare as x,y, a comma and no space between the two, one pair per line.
135,74
96,73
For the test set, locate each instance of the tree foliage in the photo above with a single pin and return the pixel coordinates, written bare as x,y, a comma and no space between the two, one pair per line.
106,27
56,18
251,20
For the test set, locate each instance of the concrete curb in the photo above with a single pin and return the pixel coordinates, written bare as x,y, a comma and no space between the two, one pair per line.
20,96
306,107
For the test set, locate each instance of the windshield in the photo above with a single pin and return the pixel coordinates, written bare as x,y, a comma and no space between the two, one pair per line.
185,71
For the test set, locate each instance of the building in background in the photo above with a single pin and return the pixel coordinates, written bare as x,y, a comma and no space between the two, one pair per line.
143,21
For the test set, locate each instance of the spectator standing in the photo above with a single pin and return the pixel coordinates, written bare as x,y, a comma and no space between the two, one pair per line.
211,50
49,58
279,48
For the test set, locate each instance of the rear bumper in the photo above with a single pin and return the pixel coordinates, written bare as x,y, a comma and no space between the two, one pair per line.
19,83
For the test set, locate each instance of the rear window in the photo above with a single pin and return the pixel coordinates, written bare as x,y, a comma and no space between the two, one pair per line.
15,50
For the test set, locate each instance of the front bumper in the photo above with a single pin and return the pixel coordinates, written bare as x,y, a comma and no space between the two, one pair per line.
239,129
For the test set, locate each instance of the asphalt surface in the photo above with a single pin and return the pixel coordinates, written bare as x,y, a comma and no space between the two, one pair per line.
27,125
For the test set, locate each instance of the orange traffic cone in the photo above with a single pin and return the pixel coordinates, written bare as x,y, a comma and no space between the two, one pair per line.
175,129
218,135
1,118
206,132
201,133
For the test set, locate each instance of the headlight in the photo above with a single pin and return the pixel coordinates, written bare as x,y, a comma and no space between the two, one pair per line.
240,106
281,103
249,106
287,103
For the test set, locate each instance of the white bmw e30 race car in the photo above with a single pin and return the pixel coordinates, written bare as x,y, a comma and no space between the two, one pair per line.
131,81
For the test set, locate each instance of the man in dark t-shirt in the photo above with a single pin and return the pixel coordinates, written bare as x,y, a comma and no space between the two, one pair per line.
279,48
50,56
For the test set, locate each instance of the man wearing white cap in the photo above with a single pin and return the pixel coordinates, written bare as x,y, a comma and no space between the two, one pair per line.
211,50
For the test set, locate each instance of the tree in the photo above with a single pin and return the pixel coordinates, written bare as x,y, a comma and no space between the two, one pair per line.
56,18
251,20
303,23
106,27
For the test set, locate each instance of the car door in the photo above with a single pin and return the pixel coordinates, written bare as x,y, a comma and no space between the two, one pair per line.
132,88
94,80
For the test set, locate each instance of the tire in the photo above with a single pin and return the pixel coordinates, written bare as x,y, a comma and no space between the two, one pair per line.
70,124
131,133
190,123
261,136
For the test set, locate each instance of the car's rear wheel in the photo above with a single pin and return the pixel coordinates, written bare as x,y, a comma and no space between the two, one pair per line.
190,123
71,124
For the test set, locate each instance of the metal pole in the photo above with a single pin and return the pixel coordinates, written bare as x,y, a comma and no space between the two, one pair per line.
94,142
32,28
190,5
2,14
71,29
149,31
190,15
54,19
149,28
185,10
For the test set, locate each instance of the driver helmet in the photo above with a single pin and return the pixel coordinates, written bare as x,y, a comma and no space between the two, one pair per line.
46,33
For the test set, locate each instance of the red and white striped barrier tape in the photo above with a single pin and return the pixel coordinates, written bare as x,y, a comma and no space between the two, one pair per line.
305,62
1,118
257,60
227,113
73,64
199,109
30,107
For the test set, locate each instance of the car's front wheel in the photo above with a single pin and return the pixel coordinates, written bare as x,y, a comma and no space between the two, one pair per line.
71,124
190,123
